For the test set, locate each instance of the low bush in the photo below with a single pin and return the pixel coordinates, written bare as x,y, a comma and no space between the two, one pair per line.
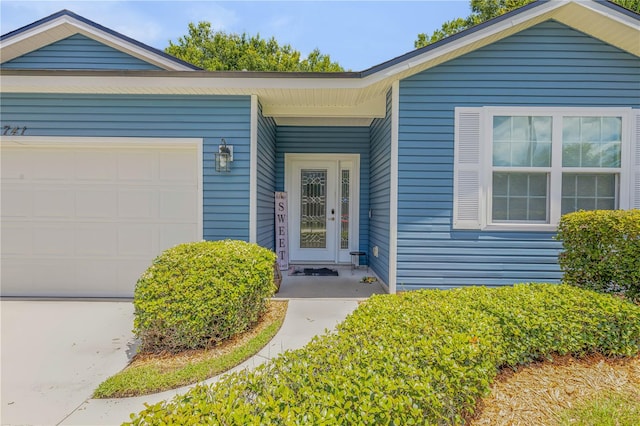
421,357
602,251
195,295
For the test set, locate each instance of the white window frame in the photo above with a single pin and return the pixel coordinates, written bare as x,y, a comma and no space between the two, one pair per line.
486,168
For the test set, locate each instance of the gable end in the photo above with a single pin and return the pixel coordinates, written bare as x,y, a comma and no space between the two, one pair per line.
78,52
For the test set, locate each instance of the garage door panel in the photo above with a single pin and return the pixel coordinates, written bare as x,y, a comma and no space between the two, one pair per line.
16,165
138,203
53,203
97,277
19,273
56,240
51,164
17,239
129,271
177,166
92,165
171,235
16,203
96,203
137,166
137,239
81,220
96,239
54,276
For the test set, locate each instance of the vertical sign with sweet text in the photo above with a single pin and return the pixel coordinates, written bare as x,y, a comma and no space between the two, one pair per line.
282,234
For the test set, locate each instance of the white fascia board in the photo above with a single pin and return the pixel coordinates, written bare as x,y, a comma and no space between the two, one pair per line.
96,34
610,13
393,188
105,83
32,32
253,172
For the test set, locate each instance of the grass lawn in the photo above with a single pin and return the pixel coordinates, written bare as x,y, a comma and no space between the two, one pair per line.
150,373
607,409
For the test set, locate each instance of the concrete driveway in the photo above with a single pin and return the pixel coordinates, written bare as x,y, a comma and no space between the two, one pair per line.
55,353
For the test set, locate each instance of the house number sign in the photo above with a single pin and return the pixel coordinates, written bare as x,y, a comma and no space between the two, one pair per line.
13,130
282,234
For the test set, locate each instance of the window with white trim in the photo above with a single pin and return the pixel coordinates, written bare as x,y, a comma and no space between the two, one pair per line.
522,168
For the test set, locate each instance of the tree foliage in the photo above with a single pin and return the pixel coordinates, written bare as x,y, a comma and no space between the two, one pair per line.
220,51
483,10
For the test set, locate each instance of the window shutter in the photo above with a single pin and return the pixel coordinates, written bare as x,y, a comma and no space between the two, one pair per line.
467,199
635,161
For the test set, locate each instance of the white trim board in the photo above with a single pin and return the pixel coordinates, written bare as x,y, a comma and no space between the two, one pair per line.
253,172
393,188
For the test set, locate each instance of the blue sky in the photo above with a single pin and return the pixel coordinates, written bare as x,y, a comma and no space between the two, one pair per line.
357,34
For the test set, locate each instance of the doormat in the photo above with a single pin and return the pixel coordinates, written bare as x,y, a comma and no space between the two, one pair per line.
315,272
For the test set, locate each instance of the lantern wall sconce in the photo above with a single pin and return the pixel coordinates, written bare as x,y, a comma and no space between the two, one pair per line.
224,157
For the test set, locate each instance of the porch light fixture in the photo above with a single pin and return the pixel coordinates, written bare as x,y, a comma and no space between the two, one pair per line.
224,157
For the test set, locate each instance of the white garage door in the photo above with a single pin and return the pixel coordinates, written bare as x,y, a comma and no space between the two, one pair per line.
85,221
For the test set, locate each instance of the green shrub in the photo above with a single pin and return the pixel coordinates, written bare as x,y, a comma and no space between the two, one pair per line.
602,251
197,294
421,357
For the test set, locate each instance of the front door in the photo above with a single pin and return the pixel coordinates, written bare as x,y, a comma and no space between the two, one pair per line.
323,207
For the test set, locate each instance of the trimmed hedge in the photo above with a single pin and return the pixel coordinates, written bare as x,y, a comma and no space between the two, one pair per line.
422,357
602,251
195,295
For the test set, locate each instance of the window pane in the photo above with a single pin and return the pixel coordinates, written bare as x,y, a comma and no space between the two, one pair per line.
606,204
521,141
501,129
588,192
518,183
585,185
538,185
500,184
606,186
611,129
538,208
520,197
571,129
500,207
586,203
591,141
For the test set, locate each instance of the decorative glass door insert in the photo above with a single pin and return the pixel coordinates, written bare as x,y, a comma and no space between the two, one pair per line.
313,208
344,208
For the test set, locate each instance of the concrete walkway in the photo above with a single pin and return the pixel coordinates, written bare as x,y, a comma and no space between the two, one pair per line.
55,353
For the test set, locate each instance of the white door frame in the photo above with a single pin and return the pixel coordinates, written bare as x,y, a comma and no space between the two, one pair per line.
340,256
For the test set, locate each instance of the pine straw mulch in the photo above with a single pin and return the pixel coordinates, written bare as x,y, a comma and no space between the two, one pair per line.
166,361
536,393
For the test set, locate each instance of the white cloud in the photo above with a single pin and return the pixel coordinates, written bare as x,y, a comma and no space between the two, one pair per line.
221,18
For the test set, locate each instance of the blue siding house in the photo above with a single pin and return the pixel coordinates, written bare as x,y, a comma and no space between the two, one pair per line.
449,166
